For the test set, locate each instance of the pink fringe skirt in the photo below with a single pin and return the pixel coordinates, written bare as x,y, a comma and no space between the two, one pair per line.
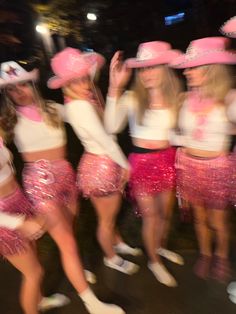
49,181
203,181
152,173
98,175
11,241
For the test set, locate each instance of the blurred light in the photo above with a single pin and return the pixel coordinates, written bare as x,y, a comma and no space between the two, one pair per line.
42,29
91,16
23,62
173,19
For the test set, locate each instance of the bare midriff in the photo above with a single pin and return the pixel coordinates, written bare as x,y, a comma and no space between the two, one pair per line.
50,154
150,144
8,186
204,153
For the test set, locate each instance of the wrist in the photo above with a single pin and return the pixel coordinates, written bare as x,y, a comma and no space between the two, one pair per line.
114,91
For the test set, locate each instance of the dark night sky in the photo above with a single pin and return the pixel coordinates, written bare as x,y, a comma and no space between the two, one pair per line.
123,24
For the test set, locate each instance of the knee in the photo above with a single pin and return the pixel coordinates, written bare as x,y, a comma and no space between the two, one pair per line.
218,226
35,274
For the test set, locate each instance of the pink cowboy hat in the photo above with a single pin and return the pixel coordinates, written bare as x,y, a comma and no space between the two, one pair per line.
12,73
209,50
152,53
71,63
229,27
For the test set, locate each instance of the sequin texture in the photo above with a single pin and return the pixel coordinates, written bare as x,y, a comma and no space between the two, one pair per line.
46,181
11,241
152,173
203,181
98,175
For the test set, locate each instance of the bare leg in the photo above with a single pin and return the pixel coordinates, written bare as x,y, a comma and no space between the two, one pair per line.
202,230
151,222
166,203
221,269
61,231
32,272
203,264
219,222
107,209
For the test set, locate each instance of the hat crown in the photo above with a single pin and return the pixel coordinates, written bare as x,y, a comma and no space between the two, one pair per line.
68,60
205,45
153,49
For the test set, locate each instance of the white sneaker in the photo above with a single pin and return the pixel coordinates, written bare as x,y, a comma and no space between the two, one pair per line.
104,308
123,248
171,256
232,298
54,301
162,274
90,277
121,265
231,289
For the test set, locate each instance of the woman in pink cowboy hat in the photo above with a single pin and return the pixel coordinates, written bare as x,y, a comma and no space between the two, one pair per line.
150,109
103,168
18,228
203,164
229,29
49,181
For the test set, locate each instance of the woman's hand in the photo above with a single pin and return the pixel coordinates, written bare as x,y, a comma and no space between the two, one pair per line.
119,74
32,228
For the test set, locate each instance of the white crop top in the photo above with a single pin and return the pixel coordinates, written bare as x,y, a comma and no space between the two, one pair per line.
156,123
211,132
33,136
5,164
90,130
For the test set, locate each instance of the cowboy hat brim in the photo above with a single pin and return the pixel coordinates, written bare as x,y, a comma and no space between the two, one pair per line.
164,58
215,57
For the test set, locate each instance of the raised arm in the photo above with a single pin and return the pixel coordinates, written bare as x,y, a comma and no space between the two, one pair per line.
116,112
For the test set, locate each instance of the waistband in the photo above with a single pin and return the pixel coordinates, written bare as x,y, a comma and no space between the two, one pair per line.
142,150
203,157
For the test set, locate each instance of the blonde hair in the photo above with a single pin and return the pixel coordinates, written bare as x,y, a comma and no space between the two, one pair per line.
219,81
170,89
9,115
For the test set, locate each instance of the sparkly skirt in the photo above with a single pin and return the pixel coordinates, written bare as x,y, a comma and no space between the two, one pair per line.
203,181
11,241
152,173
49,181
98,175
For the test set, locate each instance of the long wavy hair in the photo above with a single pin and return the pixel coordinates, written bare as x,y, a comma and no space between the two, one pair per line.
218,83
97,95
170,88
8,114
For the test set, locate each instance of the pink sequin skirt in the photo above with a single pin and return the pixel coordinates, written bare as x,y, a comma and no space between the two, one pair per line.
49,181
203,181
152,173
98,175
11,241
